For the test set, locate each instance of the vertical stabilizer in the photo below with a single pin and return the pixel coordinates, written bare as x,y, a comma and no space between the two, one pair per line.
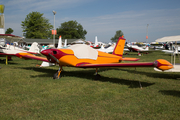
65,43
147,47
60,42
34,48
96,42
119,48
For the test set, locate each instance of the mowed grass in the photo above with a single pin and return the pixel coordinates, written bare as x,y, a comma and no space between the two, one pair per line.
29,92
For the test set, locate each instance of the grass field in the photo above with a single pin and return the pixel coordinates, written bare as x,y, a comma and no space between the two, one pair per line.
29,92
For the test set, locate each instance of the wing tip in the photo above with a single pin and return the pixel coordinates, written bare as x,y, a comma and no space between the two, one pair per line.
163,64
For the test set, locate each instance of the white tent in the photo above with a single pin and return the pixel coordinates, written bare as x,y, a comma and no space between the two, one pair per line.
169,38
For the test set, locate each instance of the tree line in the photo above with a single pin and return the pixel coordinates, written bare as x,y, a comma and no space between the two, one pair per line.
38,27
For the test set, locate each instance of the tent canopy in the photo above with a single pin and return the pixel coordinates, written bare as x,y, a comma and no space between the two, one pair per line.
169,39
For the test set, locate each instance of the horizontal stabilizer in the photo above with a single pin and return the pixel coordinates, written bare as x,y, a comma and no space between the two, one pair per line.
129,59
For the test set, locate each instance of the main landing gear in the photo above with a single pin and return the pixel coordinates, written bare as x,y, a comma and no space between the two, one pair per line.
97,76
57,75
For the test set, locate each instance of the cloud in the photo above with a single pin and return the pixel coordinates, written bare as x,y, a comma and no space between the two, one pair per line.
41,5
133,23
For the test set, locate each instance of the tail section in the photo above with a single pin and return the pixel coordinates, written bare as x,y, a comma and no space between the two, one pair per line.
96,42
60,42
34,48
65,43
147,47
119,48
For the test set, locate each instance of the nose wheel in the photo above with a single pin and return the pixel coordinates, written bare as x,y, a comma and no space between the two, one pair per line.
57,75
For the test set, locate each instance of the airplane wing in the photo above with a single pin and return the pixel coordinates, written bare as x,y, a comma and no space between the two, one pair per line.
4,54
129,59
9,36
160,64
31,56
168,51
86,65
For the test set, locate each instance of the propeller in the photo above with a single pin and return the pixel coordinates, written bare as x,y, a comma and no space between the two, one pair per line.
54,58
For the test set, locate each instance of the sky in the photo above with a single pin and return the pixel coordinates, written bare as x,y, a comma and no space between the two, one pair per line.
102,18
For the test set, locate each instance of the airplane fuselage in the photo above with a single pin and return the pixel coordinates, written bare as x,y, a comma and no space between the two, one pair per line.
135,48
67,57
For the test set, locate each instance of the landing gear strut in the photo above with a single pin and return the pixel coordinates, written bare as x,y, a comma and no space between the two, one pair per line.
97,76
57,75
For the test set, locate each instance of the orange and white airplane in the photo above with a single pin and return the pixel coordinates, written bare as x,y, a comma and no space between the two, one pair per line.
83,56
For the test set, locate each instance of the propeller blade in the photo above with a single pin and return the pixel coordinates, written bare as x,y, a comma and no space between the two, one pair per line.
54,58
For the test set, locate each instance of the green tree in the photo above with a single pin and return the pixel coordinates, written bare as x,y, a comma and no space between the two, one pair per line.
9,31
36,26
118,34
71,30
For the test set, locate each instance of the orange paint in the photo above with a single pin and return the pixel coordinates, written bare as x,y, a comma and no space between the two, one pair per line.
164,65
72,60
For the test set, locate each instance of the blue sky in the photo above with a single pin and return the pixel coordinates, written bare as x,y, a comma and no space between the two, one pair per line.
102,18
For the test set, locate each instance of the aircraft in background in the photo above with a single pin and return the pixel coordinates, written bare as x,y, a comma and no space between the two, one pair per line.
60,42
108,49
174,49
95,45
8,39
83,56
96,42
11,50
173,52
60,45
135,48
158,47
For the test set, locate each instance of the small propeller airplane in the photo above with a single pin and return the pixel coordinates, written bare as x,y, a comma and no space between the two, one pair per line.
110,49
11,50
135,48
83,56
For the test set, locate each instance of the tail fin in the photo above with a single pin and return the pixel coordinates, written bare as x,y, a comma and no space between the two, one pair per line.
96,42
65,43
147,47
119,48
34,48
60,42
